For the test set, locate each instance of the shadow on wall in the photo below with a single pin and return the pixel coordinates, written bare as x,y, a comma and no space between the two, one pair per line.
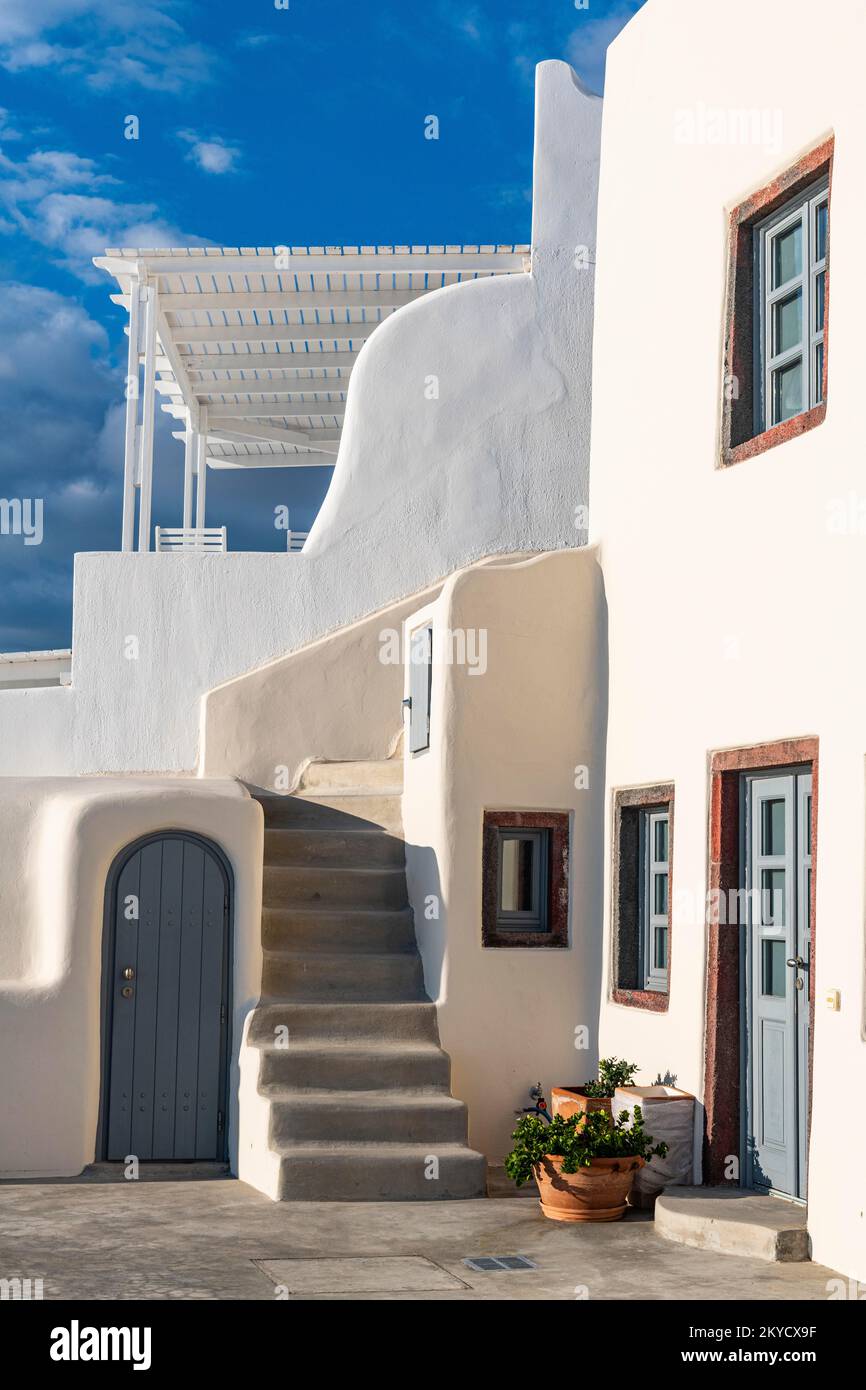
431,917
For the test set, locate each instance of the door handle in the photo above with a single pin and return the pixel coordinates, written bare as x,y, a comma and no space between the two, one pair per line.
797,963
128,973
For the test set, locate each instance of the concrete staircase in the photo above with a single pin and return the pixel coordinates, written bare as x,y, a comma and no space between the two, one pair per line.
350,1063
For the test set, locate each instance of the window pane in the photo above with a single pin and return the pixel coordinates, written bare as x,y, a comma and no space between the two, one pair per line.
660,895
787,255
660,841
788,391
821,232
773,897
660,948
819,301
517,875
773,969
773,826
819,373
787,322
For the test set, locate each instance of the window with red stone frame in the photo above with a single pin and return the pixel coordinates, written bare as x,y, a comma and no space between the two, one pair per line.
743,435
548,831
629,975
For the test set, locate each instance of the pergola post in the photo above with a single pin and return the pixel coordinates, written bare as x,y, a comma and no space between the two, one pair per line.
189,450
129,439
145,439
201,469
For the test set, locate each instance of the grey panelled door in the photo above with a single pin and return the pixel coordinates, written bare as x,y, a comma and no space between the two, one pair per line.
778,869
168,958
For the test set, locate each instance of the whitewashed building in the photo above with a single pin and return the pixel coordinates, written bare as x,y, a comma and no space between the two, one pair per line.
444,778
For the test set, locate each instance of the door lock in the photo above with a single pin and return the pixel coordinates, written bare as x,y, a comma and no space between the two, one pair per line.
127,991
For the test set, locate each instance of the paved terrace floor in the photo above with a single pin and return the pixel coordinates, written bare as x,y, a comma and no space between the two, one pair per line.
100,1237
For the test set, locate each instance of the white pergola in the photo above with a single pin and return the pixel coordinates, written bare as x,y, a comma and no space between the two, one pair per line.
251,351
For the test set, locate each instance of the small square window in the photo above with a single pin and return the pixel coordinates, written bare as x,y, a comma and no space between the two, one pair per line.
525,878
641,896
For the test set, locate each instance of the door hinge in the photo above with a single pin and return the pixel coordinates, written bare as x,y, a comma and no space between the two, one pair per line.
222,1013
220,1120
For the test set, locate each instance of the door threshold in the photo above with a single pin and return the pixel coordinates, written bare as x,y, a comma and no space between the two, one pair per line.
781,1196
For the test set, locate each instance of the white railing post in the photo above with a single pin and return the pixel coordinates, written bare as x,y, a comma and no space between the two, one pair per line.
145,465
188,452
127,540
201,470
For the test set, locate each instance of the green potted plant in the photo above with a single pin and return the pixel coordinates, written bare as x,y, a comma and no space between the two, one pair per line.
584,1165
593,1095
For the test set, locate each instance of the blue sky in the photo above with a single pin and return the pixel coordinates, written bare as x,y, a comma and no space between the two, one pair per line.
258,126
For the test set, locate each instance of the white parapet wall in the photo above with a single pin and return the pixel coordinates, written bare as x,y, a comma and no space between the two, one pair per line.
511,730
466,435
58,839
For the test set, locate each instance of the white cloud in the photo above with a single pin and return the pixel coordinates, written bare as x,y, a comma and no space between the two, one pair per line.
213,156
107,43
7,131
588,43
63,202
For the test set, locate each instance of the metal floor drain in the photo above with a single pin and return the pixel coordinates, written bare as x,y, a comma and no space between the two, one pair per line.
489,1264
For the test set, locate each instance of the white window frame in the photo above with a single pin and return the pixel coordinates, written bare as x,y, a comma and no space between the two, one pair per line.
536,917
654,978
810,348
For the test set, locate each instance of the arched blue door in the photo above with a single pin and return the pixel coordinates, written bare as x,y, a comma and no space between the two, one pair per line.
167,999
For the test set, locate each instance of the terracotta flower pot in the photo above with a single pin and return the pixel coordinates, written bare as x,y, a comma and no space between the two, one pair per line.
596,1193
572,1100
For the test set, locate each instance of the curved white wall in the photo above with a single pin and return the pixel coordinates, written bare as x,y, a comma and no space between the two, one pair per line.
421,487
510,737
58,840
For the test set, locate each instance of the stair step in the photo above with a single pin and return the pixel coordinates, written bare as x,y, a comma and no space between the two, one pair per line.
735,1220
346,848
285,885
379,1172
318,929
343,976
351,811
384,1066
354,1022
385,775
362,1117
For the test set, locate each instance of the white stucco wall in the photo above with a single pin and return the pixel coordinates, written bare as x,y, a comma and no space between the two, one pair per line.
337,700
58,839
421,487
509,738
734,610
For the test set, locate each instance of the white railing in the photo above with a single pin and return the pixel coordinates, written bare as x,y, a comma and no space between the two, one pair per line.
295,540
22,670
202,540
